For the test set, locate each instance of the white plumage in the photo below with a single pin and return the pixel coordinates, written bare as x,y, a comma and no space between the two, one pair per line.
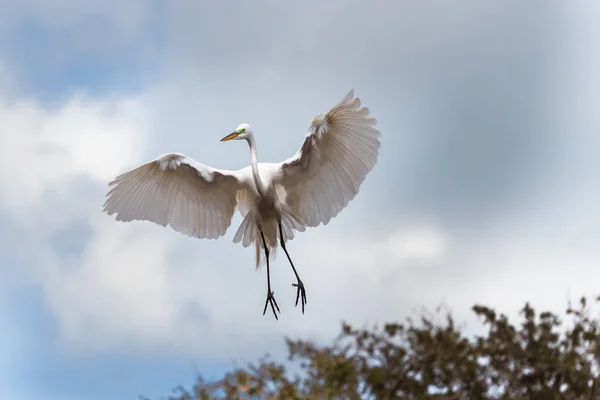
305,190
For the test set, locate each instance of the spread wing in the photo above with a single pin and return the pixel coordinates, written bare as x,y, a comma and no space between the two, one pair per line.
175,190
339,151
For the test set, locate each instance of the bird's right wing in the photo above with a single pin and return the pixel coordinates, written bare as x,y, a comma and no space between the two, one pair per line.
175,190
340,149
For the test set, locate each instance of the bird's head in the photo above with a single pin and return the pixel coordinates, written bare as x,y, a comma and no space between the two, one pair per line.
243,131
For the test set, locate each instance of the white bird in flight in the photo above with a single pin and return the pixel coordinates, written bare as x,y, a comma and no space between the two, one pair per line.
274,199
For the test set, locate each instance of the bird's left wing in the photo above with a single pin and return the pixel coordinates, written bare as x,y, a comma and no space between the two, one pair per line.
339,151
175,190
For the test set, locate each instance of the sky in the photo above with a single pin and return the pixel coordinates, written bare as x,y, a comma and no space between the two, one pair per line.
486,189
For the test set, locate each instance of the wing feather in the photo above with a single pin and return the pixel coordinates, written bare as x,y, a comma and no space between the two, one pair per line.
341,148
175,190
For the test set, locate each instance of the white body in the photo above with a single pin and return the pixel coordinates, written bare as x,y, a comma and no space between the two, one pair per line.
308,189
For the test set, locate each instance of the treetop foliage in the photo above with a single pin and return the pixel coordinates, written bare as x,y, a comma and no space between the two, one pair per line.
543,357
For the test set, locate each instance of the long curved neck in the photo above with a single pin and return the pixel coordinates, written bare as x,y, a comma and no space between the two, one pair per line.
254,163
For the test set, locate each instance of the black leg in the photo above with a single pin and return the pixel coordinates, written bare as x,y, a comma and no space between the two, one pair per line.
270,294
301,291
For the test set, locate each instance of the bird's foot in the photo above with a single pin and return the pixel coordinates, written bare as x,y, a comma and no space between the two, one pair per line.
300,293
271,300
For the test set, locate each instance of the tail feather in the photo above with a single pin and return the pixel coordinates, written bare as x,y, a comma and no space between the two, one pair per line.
249,233
258,253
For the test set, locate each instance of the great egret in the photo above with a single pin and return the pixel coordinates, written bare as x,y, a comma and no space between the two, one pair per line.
308,189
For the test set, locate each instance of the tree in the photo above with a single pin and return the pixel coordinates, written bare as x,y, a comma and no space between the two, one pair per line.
541,358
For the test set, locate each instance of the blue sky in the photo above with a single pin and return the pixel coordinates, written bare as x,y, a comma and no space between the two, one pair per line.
486,188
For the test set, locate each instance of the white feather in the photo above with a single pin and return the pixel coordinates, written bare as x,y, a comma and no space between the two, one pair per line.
175,190
339,151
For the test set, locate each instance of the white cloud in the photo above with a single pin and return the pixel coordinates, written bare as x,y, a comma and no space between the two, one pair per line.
120,292
41,150
135,283
421,243
54,167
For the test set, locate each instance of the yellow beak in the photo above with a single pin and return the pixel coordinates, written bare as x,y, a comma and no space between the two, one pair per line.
232,135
